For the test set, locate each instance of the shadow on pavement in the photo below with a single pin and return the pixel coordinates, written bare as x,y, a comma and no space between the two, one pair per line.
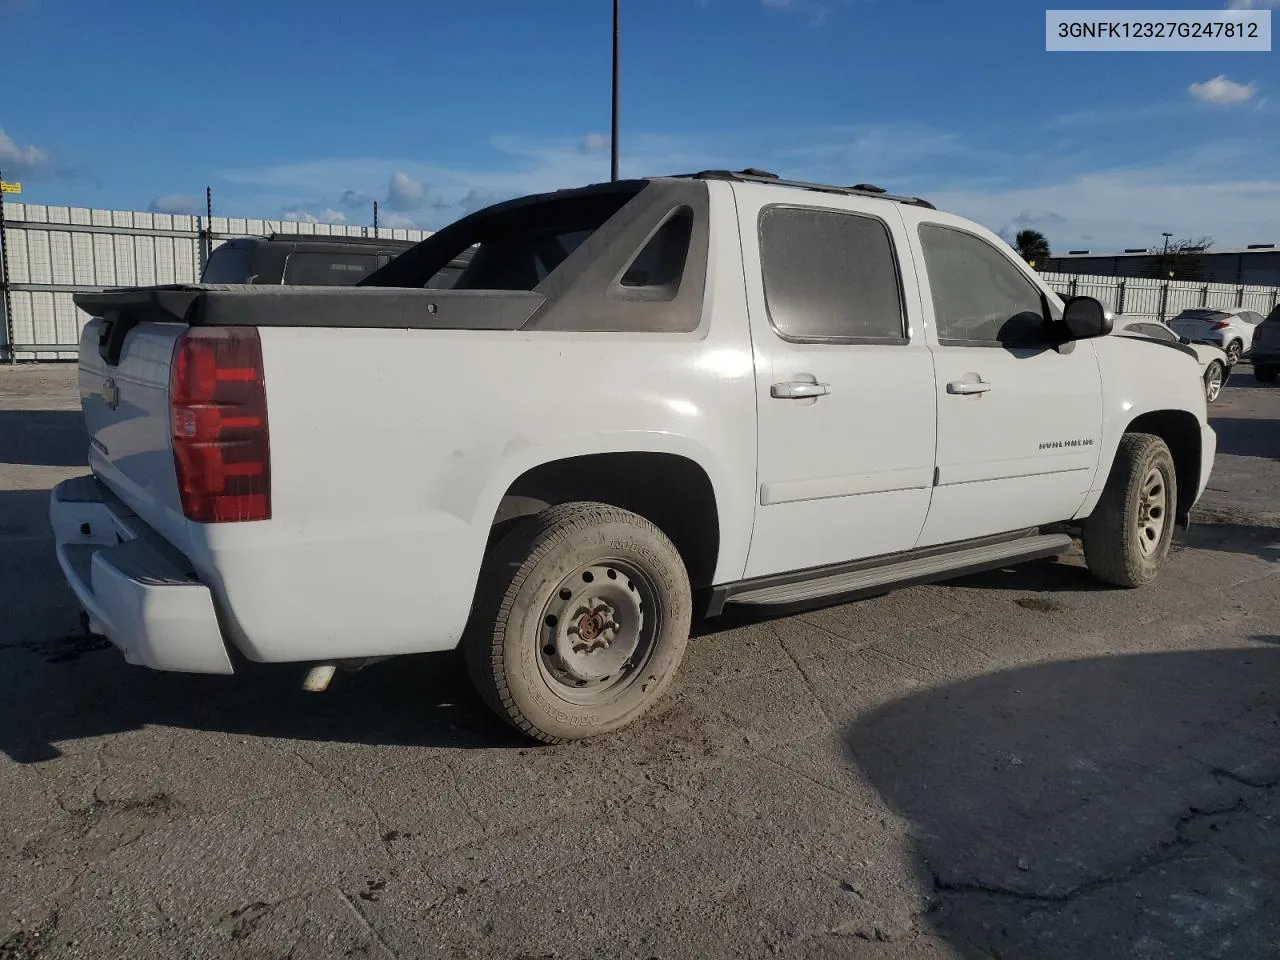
57,685
1050,576
76,687
52,438
1105,807
1258,540
1247,437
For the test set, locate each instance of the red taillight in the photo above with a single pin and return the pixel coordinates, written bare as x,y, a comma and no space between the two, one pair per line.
218,412
1221,325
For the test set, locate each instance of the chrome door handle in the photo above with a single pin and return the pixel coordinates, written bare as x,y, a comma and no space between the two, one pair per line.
798,390
966,388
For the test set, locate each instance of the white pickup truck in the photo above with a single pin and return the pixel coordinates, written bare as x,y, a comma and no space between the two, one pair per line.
642,400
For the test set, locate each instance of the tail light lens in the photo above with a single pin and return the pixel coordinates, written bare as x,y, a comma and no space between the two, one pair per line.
218,411
1221,325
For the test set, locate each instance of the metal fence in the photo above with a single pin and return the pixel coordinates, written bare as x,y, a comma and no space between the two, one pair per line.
50,253
1138,298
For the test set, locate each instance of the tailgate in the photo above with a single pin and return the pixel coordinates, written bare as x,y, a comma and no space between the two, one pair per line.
125,355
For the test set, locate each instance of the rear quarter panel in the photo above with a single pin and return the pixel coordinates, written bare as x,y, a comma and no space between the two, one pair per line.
391,450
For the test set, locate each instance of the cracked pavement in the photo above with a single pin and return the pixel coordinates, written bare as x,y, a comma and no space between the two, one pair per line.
1016,764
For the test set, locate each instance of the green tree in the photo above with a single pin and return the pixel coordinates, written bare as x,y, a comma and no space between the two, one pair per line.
1032,246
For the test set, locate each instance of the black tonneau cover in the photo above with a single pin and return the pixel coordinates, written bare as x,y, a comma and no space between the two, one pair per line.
223,305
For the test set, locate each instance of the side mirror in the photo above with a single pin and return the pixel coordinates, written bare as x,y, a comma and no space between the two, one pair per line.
1085,317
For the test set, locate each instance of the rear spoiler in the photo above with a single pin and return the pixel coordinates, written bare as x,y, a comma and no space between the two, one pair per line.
249,305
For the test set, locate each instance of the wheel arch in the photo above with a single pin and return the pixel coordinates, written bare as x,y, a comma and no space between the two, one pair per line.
1180,430
671,490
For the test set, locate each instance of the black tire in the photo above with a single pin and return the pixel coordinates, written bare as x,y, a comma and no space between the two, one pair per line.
1117,547
527,663
1235,349
1265,372
1215,368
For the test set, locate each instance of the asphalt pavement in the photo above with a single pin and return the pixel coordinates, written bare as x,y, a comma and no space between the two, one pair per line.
1017,764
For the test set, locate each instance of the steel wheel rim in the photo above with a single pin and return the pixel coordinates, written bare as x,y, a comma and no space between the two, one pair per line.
1214,385
1153,511
1233,353
598,631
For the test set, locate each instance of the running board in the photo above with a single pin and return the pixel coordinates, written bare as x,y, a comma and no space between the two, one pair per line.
904,573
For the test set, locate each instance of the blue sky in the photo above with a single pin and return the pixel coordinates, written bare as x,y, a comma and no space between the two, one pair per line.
316,109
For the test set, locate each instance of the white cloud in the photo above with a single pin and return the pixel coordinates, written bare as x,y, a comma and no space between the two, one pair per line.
353,198
443,193
1129,208
404,192
1251,4
1069,189
17,160
1041,220
327,215
1223,91
593,142
176,203
476,200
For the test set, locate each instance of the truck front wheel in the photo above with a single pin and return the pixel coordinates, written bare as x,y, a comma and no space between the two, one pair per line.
582,616
1127,536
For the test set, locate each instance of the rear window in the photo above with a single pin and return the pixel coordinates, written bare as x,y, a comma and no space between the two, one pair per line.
513,247
1202,315
228,264
328,269
660,265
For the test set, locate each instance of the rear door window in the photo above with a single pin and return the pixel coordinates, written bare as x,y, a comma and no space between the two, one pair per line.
830,275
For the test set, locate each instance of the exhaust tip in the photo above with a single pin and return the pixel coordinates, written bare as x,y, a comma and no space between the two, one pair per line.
318,677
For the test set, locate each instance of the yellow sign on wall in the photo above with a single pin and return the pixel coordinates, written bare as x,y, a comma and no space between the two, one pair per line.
10,187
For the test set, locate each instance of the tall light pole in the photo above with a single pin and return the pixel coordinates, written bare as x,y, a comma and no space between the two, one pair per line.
1166,241
613,138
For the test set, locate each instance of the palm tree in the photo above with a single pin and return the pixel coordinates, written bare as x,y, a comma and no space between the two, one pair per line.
1032,246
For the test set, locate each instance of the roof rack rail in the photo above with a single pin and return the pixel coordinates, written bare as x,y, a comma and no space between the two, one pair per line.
754,175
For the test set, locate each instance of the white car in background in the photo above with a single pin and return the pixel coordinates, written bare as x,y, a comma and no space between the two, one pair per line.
1230,330
1215,364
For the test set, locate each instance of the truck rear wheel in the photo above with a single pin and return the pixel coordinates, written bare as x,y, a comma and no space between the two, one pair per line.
1127,537
582,616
